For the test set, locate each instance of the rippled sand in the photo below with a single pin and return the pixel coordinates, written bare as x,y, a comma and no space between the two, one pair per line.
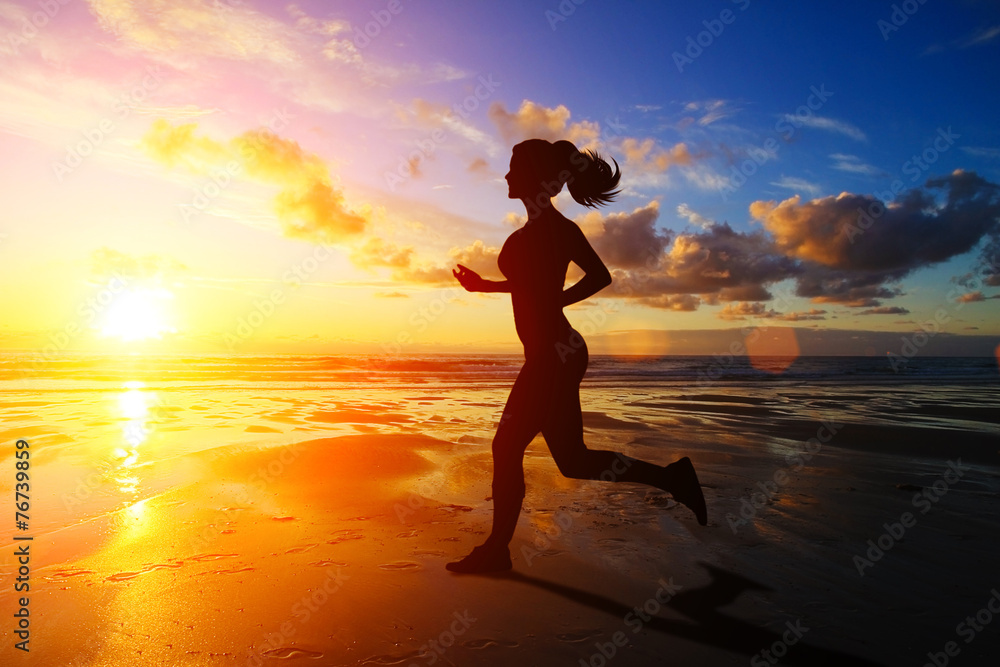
272,524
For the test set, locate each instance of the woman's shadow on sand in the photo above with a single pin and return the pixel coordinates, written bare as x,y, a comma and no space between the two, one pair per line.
708,625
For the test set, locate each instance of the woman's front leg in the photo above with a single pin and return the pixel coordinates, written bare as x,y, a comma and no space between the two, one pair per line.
518,426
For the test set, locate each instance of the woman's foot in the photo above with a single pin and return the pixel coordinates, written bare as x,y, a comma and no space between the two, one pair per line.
483,558
684,487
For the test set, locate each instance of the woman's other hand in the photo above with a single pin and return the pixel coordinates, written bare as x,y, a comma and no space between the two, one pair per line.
469,279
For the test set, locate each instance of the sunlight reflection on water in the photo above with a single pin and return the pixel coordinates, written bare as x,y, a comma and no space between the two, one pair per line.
134,408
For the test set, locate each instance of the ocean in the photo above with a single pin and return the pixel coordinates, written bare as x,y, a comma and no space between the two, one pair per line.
115,420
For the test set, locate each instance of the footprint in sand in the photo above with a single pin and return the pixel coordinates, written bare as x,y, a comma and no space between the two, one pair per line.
402,565
456,508
287,652
204,557
69,573
235,570
344,536
328,563
577,635
660,501
172,565
487,643
428,552
548,553
125,576
302,549
393,659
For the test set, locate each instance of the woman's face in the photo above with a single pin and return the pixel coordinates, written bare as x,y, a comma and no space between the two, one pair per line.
521,180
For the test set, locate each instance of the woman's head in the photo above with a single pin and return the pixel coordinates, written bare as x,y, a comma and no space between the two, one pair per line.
539,169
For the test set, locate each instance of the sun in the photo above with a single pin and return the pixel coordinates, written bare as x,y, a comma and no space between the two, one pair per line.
138,314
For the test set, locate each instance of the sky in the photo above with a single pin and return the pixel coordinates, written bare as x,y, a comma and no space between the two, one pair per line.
240,176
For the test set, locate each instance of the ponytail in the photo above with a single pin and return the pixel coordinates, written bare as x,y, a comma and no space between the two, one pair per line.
591,182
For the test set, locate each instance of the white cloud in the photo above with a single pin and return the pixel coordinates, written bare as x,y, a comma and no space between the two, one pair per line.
828,124
710,110
853,165
313,62
981,151
704,177
982,36
694,217
220,29
797,184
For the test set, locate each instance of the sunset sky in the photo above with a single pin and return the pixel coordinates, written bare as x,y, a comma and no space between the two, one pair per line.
248,176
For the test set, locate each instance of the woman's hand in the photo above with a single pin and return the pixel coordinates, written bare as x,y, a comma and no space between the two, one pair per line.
469,279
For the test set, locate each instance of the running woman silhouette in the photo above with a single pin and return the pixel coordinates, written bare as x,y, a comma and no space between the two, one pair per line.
546,394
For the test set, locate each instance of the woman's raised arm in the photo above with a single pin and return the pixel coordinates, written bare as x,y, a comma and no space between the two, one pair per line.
473,282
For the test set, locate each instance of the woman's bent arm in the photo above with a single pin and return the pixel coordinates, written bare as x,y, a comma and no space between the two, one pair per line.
473,282
587,287
596,277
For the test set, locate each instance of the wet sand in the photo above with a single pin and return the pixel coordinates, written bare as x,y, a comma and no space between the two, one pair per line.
318,534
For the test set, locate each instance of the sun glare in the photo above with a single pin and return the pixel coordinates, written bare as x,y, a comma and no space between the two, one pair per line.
138,314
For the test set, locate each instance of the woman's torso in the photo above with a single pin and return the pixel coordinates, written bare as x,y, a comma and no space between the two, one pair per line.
534,259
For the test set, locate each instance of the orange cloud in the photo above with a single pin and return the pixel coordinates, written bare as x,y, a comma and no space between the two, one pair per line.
480,167
743,310
803,230
533,121
404,265
478,256
375,252
811,314
886,310
674,302
971,297
308,205
647,156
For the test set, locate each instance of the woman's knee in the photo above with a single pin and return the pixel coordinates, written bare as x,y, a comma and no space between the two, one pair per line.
573,469
508,471
577,466
508,448
586,464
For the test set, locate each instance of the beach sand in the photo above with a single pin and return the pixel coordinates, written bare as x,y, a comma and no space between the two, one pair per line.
302,544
